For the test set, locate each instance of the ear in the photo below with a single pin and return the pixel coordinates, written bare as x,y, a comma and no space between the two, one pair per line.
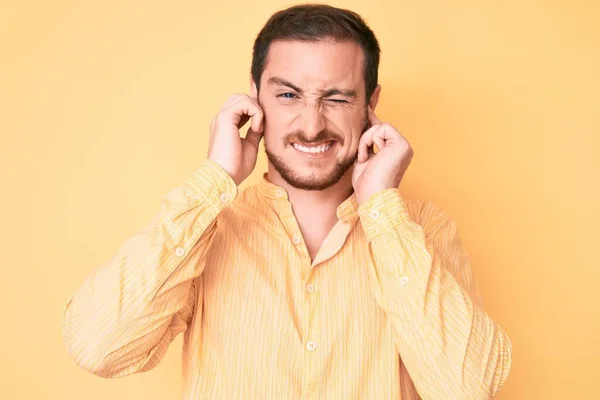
253,88
375,97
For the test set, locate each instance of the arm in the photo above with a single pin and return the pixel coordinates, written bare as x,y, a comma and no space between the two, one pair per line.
126,313
423,281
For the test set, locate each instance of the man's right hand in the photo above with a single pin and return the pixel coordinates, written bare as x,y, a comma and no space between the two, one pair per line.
235,154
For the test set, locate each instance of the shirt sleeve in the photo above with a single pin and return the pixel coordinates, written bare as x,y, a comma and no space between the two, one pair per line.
127,312
422,279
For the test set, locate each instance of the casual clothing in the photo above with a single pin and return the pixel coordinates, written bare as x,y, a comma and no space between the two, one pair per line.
388,309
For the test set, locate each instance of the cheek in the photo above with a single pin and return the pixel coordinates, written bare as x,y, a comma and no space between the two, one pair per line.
353,134
273,134
277,117
358,129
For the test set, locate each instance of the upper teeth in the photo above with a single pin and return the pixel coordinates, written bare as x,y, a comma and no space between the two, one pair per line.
317,149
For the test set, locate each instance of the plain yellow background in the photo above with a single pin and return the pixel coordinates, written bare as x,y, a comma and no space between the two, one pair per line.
105,105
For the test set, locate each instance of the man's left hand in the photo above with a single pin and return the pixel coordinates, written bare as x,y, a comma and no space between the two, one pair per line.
376,172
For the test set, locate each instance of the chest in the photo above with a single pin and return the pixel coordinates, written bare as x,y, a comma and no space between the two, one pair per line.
266,306
273,285
313,241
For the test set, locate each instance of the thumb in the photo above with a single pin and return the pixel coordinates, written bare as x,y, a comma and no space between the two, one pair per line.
253,137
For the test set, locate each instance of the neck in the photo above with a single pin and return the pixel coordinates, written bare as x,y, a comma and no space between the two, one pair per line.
321,204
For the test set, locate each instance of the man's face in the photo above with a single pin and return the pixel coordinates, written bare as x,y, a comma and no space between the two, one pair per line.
313,98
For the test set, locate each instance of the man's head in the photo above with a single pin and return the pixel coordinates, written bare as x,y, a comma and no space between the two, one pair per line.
314,70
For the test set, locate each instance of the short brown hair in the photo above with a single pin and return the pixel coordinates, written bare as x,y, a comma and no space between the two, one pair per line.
312,23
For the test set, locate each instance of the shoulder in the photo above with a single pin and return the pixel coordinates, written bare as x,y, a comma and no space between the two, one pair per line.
247,208
443,238
429,215
247,198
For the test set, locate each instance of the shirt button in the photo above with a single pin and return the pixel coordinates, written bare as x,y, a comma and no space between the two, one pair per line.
310,288
179,251
296,240
280,193
374,214
404,280
224,197
311,345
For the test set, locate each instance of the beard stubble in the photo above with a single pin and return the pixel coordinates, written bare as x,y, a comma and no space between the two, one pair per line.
313,181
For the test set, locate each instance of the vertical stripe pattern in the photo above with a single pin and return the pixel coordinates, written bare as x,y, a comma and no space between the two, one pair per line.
388,309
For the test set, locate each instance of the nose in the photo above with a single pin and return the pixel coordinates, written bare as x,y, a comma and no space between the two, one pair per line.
313,120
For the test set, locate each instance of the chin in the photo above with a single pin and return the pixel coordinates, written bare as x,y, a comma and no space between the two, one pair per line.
311,173
311,182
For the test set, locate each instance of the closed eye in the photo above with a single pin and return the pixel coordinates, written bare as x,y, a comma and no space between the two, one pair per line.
290,96
337,101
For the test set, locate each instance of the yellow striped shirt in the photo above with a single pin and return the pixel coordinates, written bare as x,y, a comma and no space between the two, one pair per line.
388,308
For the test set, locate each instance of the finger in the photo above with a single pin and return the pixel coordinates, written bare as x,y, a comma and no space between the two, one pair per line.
231,100
373,119
253,137
234,101
255,111
391,135
243,120
370,153
379,142
246,108
258,120
254,93
365,142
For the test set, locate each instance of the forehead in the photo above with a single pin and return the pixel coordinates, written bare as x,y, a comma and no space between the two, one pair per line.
316,65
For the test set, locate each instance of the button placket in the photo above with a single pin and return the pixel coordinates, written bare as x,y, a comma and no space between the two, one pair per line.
311,345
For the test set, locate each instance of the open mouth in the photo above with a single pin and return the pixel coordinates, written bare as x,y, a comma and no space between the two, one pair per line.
314,149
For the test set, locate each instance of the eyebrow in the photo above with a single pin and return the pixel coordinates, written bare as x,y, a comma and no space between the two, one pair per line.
324,92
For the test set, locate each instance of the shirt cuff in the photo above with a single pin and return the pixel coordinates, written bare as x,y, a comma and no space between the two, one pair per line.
383,212
212,185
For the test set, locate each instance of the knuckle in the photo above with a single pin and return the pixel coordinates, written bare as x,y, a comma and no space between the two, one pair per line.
244,100
253,102
230,99
244,97
219,117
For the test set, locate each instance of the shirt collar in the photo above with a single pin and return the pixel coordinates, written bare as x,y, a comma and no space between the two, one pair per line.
347,211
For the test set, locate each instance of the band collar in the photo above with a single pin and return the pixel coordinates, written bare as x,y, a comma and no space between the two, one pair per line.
347,211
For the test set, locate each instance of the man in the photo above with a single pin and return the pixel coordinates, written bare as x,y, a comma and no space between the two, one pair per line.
321,281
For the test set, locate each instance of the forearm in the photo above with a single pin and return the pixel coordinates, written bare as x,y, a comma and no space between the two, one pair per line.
136,301
450,346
